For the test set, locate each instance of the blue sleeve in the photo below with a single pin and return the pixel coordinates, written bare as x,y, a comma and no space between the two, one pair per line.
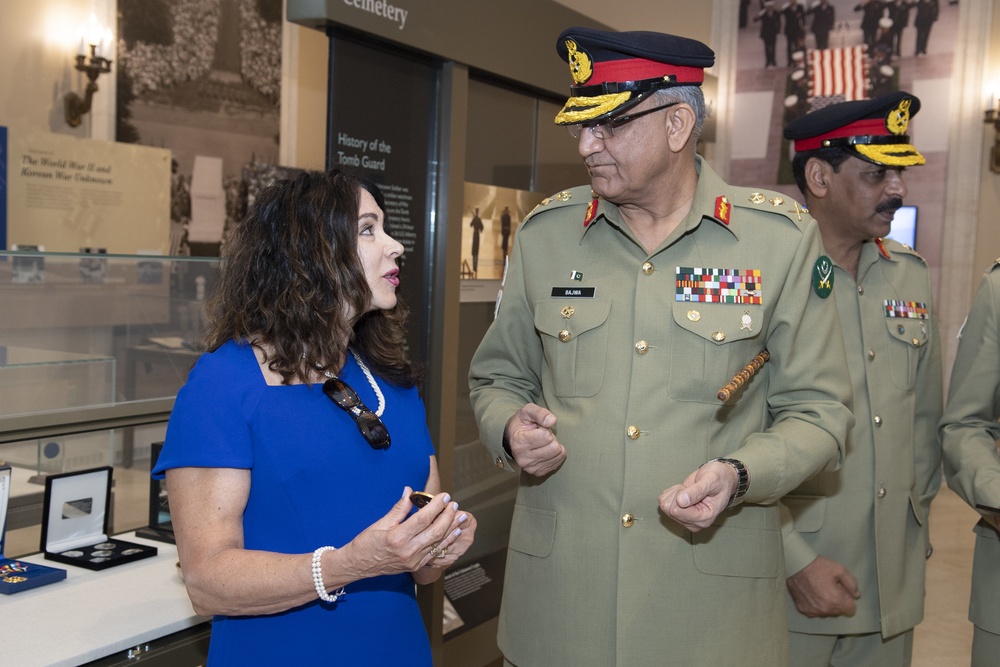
209,426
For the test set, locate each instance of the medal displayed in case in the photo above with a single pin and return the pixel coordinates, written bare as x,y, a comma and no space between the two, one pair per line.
76,518
17,575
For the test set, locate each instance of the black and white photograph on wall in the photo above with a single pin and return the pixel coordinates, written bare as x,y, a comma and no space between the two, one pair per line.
797,56
201,78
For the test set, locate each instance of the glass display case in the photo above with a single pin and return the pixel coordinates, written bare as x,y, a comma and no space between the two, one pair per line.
93,350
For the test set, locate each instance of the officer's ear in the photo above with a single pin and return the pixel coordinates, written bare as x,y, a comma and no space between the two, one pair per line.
817,177
680,126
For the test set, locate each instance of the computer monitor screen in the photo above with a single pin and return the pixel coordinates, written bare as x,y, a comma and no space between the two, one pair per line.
904,226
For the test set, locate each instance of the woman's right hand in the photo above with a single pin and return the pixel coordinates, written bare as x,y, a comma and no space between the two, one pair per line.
399,542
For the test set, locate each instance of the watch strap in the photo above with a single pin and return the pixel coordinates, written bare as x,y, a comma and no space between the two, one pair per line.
742,480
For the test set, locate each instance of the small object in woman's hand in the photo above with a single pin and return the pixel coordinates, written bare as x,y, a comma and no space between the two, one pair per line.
420,498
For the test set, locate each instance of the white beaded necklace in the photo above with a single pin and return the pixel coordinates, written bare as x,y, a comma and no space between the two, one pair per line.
371,381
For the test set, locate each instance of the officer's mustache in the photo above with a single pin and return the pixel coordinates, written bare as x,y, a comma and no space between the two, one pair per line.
889,205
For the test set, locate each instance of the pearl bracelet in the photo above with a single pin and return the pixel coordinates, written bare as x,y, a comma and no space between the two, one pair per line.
317,572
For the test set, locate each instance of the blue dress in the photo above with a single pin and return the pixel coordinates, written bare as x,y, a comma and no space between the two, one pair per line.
315,481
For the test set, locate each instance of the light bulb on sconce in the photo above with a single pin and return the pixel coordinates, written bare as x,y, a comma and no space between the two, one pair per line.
97,42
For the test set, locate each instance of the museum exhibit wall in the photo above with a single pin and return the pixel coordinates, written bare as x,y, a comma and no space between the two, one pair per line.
38,39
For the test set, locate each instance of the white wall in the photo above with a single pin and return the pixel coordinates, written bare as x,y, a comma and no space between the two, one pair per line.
38,45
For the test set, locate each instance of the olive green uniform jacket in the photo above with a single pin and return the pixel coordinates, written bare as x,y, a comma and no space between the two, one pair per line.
870,515
593,327
969,431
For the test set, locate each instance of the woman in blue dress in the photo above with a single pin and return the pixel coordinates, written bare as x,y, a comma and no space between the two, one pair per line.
293,448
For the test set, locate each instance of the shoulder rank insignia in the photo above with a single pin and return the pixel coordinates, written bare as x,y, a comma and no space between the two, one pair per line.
822,277
757,198
722,209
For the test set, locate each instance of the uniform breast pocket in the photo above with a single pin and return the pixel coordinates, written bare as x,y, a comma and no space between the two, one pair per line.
575,341
906,337
714,343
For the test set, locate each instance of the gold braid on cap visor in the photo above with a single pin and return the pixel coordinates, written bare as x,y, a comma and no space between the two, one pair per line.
582,109
891,155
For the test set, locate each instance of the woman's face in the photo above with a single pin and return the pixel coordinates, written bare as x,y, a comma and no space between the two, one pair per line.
378,252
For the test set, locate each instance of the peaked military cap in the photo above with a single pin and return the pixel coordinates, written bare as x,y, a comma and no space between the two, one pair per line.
875,130
614,71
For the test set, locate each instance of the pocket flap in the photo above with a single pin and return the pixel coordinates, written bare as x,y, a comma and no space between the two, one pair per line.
576,316
719,322
738,552
808,512
912,332
532,530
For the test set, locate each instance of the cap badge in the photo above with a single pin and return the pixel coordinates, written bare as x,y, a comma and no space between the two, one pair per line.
899,118
581,67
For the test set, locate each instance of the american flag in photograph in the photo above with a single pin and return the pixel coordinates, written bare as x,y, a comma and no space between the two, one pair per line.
839,72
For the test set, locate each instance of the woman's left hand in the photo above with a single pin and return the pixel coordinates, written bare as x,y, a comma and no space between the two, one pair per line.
452,547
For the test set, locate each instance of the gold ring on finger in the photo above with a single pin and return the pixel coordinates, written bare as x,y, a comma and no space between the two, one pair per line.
442,552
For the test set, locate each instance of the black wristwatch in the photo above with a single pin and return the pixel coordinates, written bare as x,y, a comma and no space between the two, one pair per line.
742,480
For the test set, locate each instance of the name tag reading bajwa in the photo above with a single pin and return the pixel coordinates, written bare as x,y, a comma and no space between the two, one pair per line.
574,292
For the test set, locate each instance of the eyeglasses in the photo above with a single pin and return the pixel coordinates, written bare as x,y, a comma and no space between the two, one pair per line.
371,427
605,129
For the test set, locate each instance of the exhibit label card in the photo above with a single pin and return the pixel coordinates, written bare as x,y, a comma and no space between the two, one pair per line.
65,193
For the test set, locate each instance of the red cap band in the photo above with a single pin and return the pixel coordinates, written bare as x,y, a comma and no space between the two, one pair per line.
639,69
859,128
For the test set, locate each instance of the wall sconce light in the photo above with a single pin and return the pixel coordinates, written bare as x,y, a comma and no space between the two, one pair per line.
99,42
992,117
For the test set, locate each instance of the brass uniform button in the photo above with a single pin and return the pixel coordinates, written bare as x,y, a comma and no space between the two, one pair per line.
642,347
881,492
628,520
878,420
861,290
632,432
916,342
871,354
718,336
647,268
499,462
565,335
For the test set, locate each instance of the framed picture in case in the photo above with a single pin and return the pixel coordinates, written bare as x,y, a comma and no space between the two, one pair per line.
75,522
16,575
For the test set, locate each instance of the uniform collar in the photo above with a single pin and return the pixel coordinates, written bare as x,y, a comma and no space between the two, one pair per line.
704,206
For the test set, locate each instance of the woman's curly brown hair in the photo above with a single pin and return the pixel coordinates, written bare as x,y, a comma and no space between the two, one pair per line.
291,271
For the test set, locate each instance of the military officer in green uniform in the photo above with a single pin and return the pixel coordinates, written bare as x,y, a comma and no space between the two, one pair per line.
969,434
857,539
664,365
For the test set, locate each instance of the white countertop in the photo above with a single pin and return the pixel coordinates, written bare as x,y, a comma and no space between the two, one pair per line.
93,614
